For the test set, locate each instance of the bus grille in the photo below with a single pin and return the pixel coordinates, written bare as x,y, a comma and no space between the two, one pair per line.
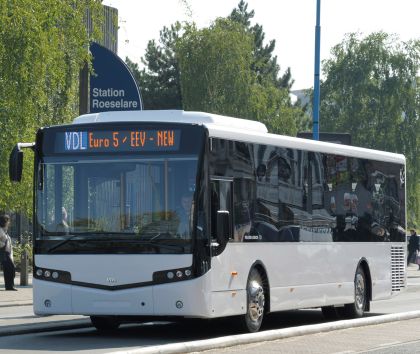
398,269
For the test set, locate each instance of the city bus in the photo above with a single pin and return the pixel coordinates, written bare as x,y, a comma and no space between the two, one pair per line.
152,215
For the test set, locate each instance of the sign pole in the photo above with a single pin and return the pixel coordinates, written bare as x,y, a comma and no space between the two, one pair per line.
315,113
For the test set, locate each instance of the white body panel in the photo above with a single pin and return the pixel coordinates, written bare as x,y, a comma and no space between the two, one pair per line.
300,275
126,269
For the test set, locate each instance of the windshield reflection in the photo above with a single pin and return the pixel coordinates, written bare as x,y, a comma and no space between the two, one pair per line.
141,201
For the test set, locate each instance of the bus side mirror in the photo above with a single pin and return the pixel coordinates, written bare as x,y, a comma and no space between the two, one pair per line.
16,161
16,164
223,226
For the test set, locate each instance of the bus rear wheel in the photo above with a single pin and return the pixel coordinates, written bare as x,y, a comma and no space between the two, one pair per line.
103,323
357,308
253,318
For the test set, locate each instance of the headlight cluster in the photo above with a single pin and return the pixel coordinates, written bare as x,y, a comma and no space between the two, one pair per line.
171,275
52,275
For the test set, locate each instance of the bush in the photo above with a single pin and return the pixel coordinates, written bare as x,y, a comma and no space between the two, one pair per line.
20,247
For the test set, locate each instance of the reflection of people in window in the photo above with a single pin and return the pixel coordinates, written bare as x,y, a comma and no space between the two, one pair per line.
63,226
184,216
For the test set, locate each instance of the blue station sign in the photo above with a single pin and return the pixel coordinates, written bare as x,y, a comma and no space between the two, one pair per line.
112,86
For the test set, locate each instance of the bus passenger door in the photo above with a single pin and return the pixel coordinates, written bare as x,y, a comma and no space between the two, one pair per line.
223,260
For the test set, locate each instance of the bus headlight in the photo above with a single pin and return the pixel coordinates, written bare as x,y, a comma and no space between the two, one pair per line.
171,275
52,275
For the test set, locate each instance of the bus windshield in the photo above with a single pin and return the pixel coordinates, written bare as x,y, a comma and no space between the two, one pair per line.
140,205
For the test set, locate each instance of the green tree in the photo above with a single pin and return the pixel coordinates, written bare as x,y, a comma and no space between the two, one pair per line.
215,66
216,77
264,64
43,44
159,80
372,91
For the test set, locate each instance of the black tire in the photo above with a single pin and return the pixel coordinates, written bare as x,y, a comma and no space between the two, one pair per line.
102,323
330,313
253,318
357,308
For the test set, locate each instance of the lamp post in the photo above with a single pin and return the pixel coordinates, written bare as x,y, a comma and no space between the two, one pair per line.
315,109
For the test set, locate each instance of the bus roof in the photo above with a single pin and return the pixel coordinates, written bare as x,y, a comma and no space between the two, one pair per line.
239,130
173,116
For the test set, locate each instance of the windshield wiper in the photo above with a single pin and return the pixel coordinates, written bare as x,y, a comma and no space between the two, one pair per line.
72,237
68,239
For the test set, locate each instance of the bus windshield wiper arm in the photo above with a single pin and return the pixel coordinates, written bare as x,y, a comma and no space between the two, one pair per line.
68,239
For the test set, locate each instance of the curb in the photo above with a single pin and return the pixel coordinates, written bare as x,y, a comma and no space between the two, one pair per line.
45,327
10,304
241,339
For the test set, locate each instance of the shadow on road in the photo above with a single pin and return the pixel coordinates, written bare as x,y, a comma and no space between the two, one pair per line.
130,336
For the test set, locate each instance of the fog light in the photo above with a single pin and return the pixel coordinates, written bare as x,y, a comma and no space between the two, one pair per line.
47,303
47,274
179,304
179,274
54,275
39,272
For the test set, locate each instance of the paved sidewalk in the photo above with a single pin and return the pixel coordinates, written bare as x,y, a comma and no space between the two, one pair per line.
21,297
17,317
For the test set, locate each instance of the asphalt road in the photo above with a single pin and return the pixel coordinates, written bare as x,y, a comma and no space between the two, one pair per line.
396,337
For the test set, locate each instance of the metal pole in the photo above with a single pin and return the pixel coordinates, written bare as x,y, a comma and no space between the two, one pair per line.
315,113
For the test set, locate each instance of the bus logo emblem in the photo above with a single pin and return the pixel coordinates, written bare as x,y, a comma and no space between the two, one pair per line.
111,280
75,141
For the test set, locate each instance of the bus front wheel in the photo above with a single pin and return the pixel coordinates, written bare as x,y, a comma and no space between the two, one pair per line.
253,318
102,323
357,308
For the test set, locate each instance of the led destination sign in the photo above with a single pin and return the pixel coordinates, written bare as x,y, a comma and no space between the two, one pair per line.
119,140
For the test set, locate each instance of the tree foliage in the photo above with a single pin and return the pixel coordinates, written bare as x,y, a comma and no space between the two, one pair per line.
372,91
159,80
43,44
216,77
263,64
215,65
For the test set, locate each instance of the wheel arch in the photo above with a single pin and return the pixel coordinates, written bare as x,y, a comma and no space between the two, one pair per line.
260,267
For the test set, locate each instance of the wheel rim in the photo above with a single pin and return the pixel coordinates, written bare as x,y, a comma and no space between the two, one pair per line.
360,291
256,301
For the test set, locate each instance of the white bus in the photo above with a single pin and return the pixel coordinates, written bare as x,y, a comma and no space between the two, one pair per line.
170,214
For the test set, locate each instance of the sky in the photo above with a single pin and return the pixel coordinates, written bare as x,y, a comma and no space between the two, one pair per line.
290,22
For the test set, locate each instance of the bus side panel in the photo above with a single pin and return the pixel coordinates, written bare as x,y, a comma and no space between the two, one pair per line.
185,298
304,274
194,298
